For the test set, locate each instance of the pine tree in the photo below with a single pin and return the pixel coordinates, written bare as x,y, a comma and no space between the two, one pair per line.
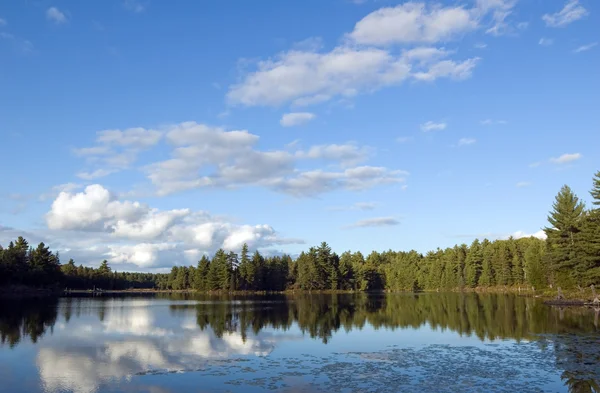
487,271
246,270
346,278
518,271
534,268
473,264
562,237
258,269
202,274
596,189
104,269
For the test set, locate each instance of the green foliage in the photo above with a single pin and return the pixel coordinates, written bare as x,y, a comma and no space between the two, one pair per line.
563,237
596,189
473,264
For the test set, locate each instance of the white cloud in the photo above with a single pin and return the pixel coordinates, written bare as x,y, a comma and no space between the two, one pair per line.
566,158
520,235
374,222
584,48
206,156
571,12
3,22
448,69
307,75
433,126
481,45
404,139
535,164
310,76
94,208
346,154
500,11
133,137
546,41
143,255
116,150
55,15
412,22
466,141
523,184
135,235
312,183
296,118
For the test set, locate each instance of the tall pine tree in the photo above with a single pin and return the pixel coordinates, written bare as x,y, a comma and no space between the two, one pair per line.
565,221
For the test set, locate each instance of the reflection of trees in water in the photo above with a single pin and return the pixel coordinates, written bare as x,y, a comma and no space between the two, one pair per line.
484,316
26,318
573,333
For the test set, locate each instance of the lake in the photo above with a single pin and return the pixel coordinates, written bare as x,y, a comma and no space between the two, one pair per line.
297,343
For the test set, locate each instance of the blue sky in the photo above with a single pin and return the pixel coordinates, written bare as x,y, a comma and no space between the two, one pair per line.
148,133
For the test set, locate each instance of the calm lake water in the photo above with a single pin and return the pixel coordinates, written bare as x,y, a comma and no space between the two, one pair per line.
303,343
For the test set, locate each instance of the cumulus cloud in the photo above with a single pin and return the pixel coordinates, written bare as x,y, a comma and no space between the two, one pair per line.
375,222
55,15
585,48
571,12
433,126
566,158
205,157
296,118
134,234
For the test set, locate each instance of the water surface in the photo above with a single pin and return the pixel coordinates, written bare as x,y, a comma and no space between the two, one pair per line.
301,343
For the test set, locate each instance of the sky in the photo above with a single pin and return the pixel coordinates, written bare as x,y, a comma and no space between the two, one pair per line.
149,133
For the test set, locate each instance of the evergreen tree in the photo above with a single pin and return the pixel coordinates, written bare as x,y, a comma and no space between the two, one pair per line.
596,189
473,264
518,271
258,269
346,272
562,236
487,271
202,274
104,269
534,268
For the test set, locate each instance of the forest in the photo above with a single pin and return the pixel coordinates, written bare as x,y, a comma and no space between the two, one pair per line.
569,258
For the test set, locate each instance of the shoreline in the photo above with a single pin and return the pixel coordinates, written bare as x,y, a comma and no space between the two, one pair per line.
574,298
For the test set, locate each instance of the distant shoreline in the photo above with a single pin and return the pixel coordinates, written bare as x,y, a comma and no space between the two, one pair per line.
548,295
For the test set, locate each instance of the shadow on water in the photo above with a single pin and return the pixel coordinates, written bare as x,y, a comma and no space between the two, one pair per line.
573,334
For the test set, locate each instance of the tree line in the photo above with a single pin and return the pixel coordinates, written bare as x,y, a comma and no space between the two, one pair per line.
569,257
